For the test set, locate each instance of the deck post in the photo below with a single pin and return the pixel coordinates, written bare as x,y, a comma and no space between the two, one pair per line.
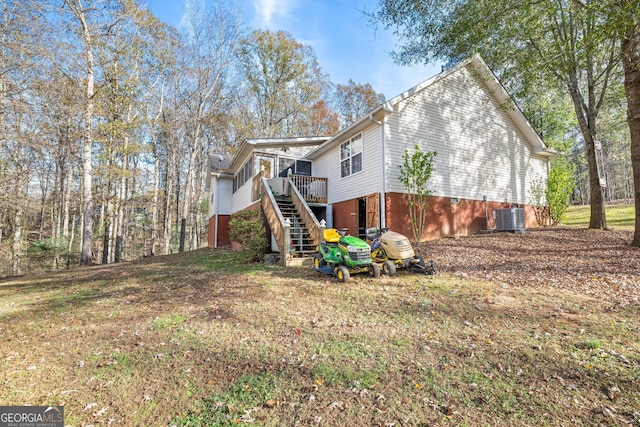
323,226
286,251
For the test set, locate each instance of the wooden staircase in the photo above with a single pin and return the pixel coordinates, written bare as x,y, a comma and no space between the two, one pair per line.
302,244
294,226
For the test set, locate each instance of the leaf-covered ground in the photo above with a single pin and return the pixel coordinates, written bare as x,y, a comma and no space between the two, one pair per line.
513,330
596,263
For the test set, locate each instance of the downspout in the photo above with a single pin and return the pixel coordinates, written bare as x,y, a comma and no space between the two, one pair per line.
382,202
217,208
217,203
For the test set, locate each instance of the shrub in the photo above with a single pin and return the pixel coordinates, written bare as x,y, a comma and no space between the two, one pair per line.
550,199
415,173
247,228
560,188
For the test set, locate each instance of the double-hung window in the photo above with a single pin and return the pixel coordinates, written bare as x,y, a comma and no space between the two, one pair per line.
351,156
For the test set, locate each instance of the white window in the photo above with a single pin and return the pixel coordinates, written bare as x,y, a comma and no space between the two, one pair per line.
243,175
351,156
297,167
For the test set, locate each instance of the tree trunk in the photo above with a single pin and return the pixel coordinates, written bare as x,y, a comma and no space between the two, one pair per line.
105,244
87,172
58,191
154,203
168,202
187,202
167,222
72,237
631,64
16,247
156,176
120,210
67,204
587,121
183,224
44,191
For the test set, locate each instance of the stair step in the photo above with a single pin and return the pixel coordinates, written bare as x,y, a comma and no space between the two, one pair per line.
304,241
301,241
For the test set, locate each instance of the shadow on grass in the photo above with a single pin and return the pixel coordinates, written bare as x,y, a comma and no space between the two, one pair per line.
152,281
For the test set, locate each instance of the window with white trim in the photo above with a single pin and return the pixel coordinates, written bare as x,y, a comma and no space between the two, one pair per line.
351,156
243,175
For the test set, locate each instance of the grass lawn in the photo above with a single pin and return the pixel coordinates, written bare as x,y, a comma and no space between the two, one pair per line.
203,339
619,217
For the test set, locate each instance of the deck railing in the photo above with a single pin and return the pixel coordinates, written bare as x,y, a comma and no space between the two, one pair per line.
275,219
302,190
256,189
313,189
313,226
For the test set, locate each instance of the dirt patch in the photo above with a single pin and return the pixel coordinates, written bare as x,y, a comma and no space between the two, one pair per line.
601,264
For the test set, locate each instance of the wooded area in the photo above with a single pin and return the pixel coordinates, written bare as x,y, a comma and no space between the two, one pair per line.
107,115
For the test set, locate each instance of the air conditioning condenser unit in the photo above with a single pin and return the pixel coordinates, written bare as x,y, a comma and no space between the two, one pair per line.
510,219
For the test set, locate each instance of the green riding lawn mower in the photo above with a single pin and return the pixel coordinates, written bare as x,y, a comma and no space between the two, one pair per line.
342,255
393,251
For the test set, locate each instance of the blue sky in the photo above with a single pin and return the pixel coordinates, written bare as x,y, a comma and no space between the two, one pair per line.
347,47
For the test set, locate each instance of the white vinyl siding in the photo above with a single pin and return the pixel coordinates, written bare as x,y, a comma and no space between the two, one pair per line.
242,197
360,184
225,197
480,151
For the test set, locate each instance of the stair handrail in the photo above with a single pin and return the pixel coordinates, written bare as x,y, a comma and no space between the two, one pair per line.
276,220
313,225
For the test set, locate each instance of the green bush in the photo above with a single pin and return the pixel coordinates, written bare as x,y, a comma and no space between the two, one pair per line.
559,188
550,199
415,173
247,228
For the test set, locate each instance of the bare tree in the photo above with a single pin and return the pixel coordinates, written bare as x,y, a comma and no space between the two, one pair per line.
354,100
20,50
212,39
81,13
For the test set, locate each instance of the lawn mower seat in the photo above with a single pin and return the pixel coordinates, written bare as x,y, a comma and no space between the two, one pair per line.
331,235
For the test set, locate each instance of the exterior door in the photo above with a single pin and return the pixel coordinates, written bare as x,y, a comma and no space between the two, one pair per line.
345,215
269,166
373,213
